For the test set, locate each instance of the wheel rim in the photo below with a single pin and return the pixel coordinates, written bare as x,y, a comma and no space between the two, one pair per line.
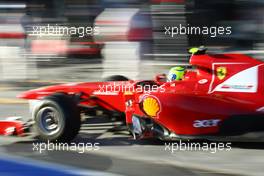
49,120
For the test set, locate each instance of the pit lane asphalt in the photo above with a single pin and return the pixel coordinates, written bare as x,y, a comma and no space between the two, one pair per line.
120,154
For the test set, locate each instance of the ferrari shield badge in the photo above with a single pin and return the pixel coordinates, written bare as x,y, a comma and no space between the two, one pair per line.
221,72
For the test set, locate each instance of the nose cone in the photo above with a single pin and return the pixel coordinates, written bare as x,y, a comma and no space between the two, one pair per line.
40,92
31,94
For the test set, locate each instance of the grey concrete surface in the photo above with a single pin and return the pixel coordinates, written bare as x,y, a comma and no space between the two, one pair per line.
120,154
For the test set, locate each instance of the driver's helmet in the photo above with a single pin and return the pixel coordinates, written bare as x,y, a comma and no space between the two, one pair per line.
176,73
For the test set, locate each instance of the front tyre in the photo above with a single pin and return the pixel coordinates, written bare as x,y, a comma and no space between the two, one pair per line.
57,119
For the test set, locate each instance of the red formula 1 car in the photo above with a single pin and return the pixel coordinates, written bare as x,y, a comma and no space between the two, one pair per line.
222,97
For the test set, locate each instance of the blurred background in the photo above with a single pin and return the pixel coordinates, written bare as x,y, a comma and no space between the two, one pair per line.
131,42
131,39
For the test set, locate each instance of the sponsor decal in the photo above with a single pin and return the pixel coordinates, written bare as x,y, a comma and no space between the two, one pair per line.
261,109
151,105
206,123
221,72
105,93
10,130
243,81
241,87
203,81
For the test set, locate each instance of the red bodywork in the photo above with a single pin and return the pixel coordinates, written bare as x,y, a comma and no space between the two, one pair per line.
8,128
223,95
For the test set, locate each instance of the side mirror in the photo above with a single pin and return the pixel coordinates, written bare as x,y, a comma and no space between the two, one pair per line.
161,78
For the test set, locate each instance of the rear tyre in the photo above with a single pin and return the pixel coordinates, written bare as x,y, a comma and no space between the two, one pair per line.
57,119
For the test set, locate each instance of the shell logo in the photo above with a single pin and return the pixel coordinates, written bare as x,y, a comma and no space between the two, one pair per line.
151,106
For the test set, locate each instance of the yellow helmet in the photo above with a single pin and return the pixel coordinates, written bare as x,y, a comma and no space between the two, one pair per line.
176,73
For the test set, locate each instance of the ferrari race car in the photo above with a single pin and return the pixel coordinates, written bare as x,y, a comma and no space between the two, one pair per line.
221,97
